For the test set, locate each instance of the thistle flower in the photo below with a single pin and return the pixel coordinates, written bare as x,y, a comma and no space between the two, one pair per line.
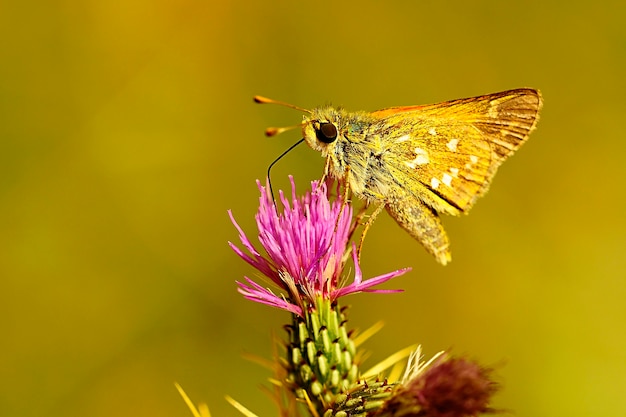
305,245
445,387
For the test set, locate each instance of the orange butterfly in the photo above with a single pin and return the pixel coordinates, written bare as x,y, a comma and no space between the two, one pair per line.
420,161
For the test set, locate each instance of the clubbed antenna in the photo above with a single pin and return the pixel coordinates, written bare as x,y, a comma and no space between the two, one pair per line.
265,100
273,131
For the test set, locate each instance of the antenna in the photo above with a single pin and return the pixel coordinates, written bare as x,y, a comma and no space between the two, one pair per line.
265,100
273,131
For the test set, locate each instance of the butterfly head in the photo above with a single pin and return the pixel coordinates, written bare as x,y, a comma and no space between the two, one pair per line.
320,133
320,128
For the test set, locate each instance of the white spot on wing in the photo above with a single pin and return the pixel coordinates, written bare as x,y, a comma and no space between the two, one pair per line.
446,179
434,183
421,158
403,138
473,158
452,144
432,131
454,171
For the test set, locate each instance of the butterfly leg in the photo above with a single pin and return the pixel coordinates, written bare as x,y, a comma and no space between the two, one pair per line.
423,223
358,220
345,196
326,171
367,226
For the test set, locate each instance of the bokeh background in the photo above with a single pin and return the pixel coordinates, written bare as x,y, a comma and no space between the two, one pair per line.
127,130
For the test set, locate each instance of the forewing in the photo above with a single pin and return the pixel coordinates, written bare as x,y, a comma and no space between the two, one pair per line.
450,151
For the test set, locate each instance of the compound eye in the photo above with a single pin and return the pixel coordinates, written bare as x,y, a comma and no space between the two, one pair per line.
326,133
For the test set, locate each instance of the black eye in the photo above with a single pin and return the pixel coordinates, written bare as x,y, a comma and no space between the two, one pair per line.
326,133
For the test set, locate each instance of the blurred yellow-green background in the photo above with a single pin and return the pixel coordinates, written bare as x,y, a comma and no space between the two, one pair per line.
127,130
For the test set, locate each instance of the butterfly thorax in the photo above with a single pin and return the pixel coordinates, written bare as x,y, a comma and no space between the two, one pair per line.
354,145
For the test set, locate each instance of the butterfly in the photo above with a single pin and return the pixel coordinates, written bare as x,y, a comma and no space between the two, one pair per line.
418,162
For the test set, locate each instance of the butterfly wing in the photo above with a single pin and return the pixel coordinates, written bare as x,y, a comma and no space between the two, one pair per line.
422,222
450,151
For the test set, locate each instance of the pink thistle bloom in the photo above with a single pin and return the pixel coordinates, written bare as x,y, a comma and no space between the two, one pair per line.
305,246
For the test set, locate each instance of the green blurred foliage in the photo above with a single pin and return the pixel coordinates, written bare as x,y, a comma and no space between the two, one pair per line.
127,130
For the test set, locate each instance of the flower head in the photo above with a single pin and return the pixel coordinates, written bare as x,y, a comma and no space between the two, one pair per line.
454,387
444,387
305,245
